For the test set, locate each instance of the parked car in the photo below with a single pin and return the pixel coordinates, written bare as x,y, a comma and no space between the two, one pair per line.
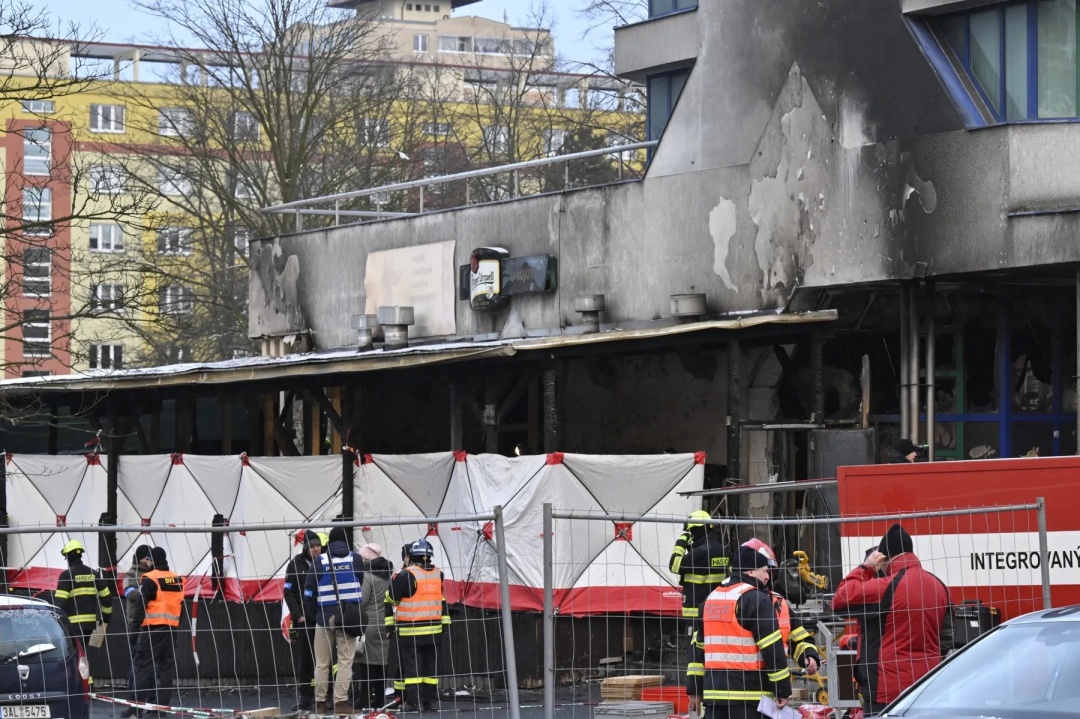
43,671
1027,668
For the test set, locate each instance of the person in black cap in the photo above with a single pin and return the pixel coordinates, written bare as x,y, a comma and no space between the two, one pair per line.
141,563
302,613
743,653
891,590
162,593
903,452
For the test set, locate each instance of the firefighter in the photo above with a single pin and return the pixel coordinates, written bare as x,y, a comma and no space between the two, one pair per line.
702,569
162,593
743,659
303,616
419,620
81,593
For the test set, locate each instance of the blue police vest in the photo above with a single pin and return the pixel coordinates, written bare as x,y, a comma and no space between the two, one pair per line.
347,586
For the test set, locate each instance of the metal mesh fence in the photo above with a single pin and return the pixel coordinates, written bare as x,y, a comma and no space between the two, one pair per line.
140,641
619,635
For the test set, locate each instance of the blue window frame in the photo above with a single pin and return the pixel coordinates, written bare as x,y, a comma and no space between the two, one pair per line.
663,93
659,8
1022,57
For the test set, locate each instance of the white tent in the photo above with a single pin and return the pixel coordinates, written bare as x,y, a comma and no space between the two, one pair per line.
600,566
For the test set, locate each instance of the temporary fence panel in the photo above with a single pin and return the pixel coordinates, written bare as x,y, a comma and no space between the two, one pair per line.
991,559
235,657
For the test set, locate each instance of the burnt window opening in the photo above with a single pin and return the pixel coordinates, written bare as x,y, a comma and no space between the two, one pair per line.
1032,368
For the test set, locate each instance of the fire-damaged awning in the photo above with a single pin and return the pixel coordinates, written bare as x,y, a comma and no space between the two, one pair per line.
257,369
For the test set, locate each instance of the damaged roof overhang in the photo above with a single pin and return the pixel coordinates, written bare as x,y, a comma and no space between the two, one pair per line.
262,369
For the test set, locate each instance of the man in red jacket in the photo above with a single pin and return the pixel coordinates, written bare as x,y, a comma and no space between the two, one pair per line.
909,605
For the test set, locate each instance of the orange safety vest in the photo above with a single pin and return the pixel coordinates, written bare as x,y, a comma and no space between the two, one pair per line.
164,609
784,617
728,645
424,607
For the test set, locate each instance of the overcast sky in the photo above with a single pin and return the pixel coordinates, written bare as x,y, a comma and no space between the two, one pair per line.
118,21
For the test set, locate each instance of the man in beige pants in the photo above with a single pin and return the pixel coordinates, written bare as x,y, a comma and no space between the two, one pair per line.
338,564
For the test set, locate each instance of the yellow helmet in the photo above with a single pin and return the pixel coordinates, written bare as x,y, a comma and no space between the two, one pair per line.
324,538
73,546
696,518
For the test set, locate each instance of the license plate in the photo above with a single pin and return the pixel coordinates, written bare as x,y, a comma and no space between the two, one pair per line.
26,711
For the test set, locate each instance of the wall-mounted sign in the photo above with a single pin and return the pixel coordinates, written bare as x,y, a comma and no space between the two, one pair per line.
492,277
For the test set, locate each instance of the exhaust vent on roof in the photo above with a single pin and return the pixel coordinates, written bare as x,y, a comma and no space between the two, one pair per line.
395,322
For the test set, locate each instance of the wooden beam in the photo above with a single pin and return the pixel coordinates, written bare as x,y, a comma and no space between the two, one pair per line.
184,427
269,421
534,416
331,409
337,437
314,426
457,440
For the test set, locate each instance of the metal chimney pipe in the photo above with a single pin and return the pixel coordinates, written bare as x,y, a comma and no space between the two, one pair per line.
688,308
365,326
590,307
395,322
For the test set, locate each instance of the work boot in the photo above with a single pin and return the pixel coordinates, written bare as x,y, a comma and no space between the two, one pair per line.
320,708
128,713
343,709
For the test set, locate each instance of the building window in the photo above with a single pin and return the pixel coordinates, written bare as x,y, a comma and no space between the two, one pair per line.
490,46
174,122
663,93
37,207
106,238
376,133
437,129
497,138
1022,57
554,141
106,180
427,8
39,107
242,189
37,333
37,151
37,272
419,42
173,183
107,297
241,241
106,356
438,8
107,118
658,8
408,6
455,44
36,373
175,299
244,127
174,241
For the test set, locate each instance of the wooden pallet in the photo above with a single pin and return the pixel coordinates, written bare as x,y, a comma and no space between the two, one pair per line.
627,689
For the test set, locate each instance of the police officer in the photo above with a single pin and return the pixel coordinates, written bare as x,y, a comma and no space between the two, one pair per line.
419,619
303,616
141,563
744,655
162,593
81,593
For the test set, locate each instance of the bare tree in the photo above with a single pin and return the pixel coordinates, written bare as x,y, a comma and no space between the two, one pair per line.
50,193
284,99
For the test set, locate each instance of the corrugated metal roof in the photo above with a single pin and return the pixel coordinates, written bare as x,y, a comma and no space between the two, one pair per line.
252,369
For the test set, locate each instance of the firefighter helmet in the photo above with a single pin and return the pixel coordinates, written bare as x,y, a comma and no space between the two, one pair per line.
697,517
759,546
421,548
73,546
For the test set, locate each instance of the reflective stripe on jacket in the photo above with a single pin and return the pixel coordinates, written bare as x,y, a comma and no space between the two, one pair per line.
83,596
422,613
165,608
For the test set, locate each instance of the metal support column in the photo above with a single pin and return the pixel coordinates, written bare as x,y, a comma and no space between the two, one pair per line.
348,462
551,411
905,360
817,376
1044,552
734,408
931,361
107,546
913,363
491,416
549,613
510,656
1076,379
3,522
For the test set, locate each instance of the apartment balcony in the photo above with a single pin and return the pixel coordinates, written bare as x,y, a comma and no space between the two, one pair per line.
657,45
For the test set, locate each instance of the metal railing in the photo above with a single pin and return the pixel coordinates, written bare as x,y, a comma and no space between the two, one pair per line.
331,205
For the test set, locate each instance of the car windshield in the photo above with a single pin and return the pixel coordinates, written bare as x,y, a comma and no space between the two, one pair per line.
24,633
1020,671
